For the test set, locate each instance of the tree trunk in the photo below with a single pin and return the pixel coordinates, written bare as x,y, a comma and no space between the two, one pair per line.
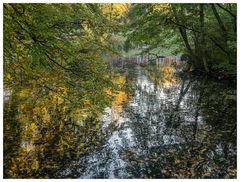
203,44
229,11
224,35
196,41
183,33
220,22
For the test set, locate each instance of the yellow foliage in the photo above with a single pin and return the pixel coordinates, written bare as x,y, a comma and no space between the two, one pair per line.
28,17
32,126
120,98
24,93
116,10
79,114
36,110
55,98
167,70
42,112
168,75
46,116
8,76
35,165
162,7
9,8
86,103
120,80
23,117
108,91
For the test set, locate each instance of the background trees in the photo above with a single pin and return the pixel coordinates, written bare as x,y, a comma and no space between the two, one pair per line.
207,32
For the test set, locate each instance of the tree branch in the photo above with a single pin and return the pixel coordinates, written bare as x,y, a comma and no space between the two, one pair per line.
197,31
227,10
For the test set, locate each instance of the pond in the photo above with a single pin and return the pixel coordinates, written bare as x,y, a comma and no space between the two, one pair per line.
173,126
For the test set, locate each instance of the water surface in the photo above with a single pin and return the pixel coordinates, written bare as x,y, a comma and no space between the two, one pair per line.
173,127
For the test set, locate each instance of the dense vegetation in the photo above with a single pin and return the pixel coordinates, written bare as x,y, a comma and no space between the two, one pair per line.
206,33
56,80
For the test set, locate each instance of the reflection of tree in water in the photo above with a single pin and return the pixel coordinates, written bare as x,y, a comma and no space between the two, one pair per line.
174,118
167,131
165,135
12,134
175,138
36,148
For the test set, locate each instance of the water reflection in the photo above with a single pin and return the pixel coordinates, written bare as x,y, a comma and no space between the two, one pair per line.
180,129
172,127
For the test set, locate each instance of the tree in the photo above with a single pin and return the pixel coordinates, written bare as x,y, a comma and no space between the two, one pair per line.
57,80
206,32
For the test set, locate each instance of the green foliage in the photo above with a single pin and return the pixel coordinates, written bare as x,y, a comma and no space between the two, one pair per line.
208,35
147,28
57,80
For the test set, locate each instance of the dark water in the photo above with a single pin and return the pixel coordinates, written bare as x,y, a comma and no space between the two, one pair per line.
178,128
172,127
